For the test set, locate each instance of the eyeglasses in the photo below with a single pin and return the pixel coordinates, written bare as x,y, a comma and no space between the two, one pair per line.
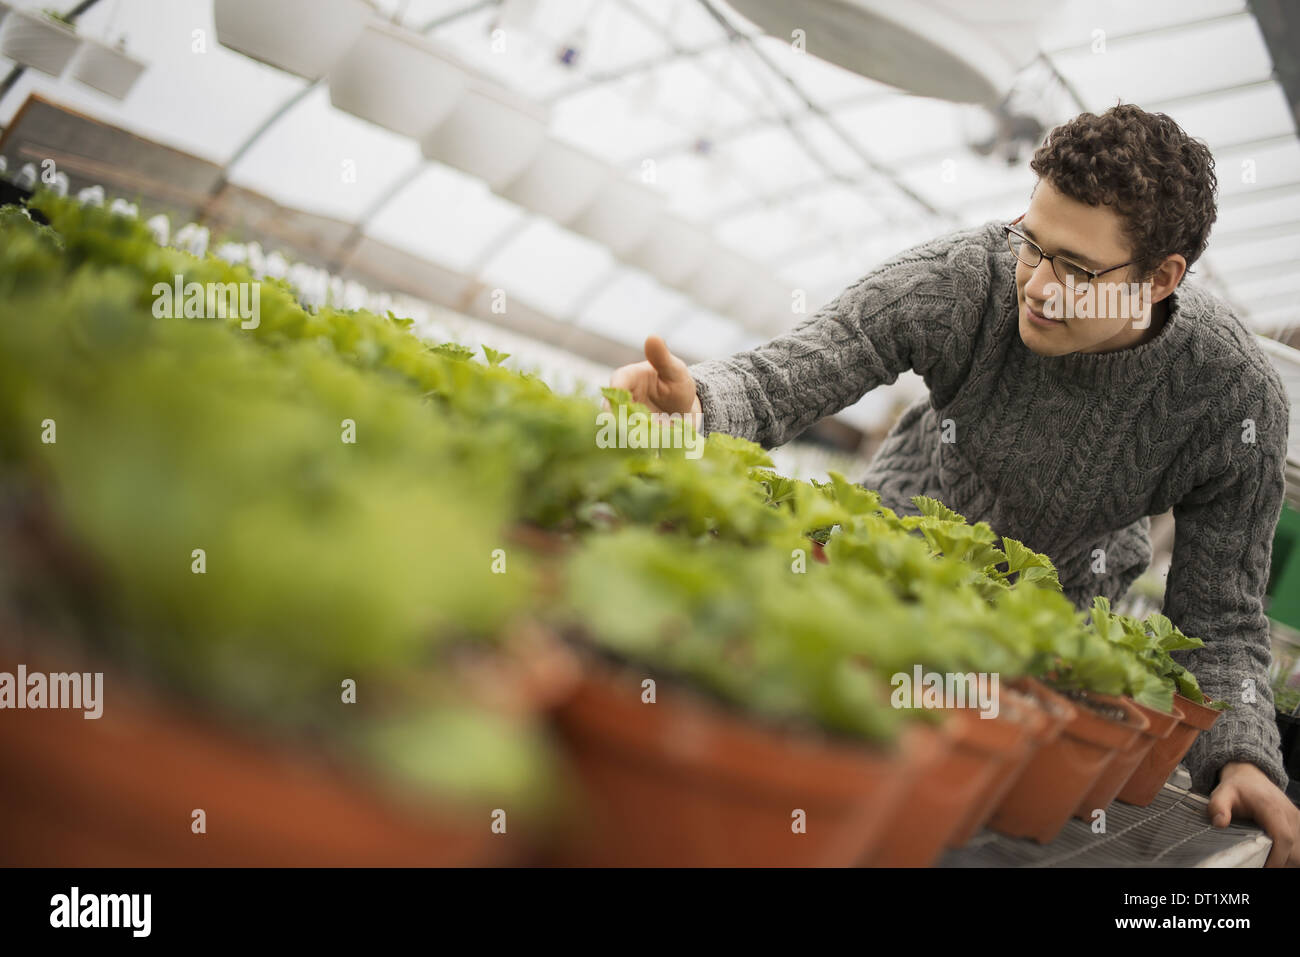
1031,254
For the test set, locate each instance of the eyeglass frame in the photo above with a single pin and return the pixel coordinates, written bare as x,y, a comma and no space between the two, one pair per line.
1092,274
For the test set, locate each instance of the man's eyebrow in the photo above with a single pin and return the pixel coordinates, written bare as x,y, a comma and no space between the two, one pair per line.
1080,258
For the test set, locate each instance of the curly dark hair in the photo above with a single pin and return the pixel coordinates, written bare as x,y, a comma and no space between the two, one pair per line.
1160,181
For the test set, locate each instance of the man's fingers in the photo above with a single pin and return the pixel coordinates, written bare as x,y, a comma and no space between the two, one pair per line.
1222,803
634,378
670,368
1279,822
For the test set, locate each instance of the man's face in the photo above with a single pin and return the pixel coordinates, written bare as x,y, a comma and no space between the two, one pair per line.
1100,316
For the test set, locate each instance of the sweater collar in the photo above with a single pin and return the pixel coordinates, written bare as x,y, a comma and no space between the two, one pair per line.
1123,366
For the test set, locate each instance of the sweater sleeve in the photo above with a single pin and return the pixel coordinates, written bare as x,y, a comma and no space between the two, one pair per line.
1223,544
920,310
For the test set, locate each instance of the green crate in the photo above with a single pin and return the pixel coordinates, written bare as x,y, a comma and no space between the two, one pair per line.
1284,572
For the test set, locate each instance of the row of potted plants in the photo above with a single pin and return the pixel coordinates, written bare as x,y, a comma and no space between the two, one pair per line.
771,738
815,687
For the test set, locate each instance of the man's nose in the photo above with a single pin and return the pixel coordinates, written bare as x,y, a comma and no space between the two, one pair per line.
1041,280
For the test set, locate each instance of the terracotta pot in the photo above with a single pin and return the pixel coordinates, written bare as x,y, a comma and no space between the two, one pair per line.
819,552
119,791
684,782
1042,722
1125,764
1060,773
947,797
1154,770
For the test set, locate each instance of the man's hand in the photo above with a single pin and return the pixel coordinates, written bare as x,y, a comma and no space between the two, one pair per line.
1246,791
661,383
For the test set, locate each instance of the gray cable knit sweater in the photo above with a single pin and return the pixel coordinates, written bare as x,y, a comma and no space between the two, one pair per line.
1068,454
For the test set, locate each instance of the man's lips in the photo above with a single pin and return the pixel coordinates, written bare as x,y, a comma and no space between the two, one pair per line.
1039,317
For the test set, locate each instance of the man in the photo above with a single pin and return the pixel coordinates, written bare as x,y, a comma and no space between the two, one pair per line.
1077,387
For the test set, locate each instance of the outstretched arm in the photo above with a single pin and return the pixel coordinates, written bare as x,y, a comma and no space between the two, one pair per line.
920,310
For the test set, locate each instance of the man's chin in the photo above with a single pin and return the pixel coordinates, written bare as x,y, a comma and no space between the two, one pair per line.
1033,341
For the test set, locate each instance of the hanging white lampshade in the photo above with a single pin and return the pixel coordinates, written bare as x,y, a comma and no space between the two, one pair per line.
493,133
107,69
303,37
560,182
622,215
36,41
397,79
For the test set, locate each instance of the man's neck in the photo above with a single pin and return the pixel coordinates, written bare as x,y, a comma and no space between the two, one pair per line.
1159,316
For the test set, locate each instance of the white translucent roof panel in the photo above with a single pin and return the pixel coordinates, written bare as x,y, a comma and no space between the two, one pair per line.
1241,172
1074,23
697,188
687,25
966,178
524,59
710,91
632,306
1167,65
205,103
1282,281
849,258
1236,117
895,130
738,69
837,155
445,216
763,234
1264,211
323,160
707,335
608,34
1284,249
616,123
770,160
549,267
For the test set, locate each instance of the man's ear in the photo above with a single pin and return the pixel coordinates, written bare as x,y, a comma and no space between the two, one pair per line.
1167,277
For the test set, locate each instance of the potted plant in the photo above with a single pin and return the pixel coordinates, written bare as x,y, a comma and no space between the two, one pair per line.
397,79
1059,774
1171,699
108,69
1124,769
1045,719
122,790
952,799
493,133
683,782
717,724
228,678
302,37
41,41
